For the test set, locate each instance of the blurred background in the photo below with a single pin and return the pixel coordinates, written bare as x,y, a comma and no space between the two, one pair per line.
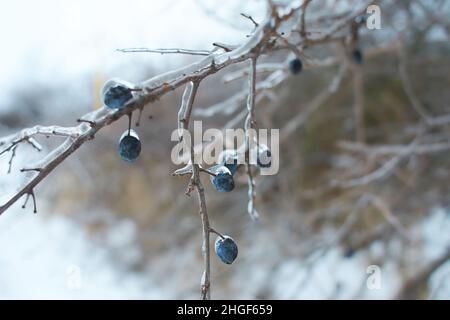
107,229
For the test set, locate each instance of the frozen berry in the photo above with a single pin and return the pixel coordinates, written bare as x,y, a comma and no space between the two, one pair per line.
264,157
229,159
296,66
223,180
129,146
226,249
116,93
357,56
362,19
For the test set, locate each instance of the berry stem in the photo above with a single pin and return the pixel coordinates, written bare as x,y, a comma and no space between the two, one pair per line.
208,172
216,232
129,122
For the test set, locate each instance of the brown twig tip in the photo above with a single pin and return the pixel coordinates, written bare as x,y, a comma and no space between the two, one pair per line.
225,47
13,154
190,187
30,169
249,17
34,201
93,124
138,121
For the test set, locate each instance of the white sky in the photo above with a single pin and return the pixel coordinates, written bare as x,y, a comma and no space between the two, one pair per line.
49,39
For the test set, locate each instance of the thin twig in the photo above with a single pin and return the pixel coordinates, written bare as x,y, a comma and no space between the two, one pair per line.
184,115
168,51
149,91
13,154
249,17
249,138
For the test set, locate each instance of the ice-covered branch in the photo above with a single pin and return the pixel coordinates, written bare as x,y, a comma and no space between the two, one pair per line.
249,137
146,92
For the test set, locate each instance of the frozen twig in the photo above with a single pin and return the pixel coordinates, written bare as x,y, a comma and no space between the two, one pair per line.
249,17
168,51
249,138
13,154
183,117
146,92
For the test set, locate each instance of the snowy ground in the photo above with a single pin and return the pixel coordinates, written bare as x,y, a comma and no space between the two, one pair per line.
51,257
45,256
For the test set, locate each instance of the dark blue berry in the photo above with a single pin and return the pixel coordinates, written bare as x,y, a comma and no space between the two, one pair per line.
129,146
264,157
349,253
226,249
362,19
296,66
233,166
223,180
116,94
357,56
229,159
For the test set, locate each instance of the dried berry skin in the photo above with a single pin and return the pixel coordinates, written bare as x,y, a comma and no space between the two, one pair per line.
223,181
226,249
296,66
129,146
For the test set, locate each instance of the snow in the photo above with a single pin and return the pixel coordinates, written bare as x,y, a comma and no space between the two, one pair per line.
49,257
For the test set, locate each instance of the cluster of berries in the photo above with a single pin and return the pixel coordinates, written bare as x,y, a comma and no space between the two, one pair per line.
223,173
223,181
116,94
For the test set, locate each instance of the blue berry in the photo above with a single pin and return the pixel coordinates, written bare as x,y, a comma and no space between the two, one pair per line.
226,249
223,180
264,157
233,167
229,159
349,253
296,66
357,56
116,94
362,19
129,146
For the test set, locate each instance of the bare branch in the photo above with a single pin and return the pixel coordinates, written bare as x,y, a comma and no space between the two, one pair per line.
13,154
148,91
168,51
392,150
412,286
249,138
184,116
249,17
